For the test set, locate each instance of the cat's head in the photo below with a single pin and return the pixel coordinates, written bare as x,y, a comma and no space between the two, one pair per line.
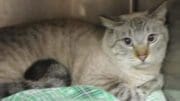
138,40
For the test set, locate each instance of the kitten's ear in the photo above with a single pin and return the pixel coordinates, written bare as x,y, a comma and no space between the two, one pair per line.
160,12
107,22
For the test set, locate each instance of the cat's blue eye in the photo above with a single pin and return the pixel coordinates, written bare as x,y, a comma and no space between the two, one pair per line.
152,38
127,41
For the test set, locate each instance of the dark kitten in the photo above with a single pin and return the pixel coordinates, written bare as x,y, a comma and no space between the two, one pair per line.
41,74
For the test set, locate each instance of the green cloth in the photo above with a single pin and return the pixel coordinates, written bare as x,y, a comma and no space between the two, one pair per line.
75,93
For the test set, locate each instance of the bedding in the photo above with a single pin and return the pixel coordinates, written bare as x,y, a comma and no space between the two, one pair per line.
75,93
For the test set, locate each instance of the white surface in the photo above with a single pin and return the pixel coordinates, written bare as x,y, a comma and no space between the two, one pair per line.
156,96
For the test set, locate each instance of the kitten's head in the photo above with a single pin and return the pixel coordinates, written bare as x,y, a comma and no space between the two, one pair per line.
138,40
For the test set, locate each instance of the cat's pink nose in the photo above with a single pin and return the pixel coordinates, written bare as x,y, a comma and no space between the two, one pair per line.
142,57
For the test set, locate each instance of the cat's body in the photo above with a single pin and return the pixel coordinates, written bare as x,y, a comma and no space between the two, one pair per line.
94,55
26,45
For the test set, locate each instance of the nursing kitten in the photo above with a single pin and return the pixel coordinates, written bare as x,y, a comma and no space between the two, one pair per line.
124,57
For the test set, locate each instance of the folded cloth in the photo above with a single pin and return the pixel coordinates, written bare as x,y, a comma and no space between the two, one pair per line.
74,93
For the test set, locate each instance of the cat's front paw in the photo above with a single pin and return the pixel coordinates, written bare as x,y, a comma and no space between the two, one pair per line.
152,85
125,93
121,91
140,94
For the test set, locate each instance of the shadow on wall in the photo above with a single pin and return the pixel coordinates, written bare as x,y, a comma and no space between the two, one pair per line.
21,11
147,4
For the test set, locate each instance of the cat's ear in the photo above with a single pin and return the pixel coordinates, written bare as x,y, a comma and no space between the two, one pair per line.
159,12
107,22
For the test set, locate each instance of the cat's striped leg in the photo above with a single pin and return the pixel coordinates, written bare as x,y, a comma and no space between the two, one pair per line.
125,93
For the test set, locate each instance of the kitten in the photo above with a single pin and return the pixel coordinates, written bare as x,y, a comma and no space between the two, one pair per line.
124,57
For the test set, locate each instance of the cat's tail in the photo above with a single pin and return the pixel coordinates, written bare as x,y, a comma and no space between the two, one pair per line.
42,74
7,89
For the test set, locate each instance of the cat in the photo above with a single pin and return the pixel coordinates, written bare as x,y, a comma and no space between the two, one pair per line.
123,55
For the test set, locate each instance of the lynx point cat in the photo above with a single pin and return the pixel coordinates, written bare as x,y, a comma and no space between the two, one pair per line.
137,44
123,57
